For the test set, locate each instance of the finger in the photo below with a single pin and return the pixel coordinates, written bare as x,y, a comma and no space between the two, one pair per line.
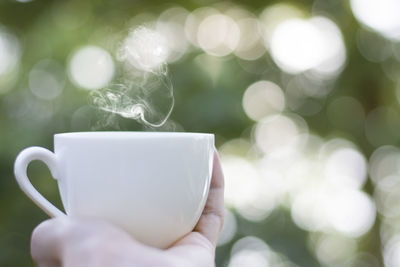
49,264
46,243
73,242
212,219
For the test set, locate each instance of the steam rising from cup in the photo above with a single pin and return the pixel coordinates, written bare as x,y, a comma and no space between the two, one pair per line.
144,91
145,49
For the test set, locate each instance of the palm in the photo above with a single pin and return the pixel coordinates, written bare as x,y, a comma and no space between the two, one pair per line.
70,242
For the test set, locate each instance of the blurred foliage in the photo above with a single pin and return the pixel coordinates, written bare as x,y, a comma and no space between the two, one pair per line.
208,93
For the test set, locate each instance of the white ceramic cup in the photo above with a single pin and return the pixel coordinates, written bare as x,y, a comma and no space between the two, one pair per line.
152,184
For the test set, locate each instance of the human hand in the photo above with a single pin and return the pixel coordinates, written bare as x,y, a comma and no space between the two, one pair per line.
70,242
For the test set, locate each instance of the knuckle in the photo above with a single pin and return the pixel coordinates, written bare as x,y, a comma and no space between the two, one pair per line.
216,215
90,243
46,237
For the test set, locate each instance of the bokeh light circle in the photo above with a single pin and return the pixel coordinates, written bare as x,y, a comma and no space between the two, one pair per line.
218,35
346,166
349,212
9,50
91,67
279,134
245,189
382,16
47,79
263,98
352,212
250,251
298,45
391,252
250,46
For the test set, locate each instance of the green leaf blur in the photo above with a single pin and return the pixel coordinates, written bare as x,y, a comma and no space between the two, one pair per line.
303,97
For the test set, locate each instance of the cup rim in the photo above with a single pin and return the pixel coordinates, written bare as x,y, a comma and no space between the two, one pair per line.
130,134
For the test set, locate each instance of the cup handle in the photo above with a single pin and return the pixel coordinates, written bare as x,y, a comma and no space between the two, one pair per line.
20,167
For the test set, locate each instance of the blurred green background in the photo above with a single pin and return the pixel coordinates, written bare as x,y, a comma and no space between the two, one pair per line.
303,97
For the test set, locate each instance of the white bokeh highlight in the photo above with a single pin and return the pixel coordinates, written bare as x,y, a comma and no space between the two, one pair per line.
263,98
91,67
245,189
298,45
279,134
9,51
346,166
391,252
47,79
381,16
218,35
251,44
